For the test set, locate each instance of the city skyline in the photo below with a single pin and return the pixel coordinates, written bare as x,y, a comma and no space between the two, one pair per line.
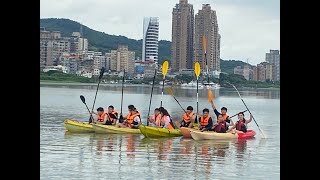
248,28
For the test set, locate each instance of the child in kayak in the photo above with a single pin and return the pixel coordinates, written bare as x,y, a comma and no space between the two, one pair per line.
224,114
187,119
112,116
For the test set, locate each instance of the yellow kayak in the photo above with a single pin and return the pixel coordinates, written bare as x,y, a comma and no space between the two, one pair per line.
108,129
77,126
153,132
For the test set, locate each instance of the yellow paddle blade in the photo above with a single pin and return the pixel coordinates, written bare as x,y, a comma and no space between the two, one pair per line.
197,69
204,43
169,90
165,67
210,96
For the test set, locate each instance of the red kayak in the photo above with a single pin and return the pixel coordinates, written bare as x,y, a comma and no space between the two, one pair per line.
248,134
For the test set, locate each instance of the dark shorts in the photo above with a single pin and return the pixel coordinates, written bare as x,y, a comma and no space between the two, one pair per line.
108,123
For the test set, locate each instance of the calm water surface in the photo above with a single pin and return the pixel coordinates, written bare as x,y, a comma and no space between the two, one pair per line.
111,156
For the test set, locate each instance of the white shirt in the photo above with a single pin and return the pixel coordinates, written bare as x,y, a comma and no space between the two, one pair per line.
166,122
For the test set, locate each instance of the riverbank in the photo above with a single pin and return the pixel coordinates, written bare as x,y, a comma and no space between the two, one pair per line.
46,82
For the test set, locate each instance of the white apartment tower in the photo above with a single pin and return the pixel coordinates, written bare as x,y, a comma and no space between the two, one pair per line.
150,39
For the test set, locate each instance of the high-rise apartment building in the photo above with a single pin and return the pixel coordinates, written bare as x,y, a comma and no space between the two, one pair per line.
150,39
273,57
206,25
182,36
269,68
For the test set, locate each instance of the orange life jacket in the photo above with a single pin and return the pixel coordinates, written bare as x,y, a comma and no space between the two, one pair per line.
163,120
131,117
187,118
224,116
101,117
204,121
114,113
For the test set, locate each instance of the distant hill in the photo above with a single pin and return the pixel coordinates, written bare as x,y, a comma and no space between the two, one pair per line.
227,66
100,41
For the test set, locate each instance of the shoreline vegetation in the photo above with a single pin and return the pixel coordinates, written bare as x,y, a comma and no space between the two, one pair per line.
55,77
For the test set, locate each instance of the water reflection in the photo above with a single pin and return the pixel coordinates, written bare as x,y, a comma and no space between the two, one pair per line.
125,156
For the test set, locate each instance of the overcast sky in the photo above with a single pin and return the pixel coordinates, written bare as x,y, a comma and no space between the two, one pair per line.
248,28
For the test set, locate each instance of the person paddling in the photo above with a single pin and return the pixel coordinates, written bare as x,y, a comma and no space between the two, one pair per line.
165,120
206,122
155,119
221,126
112,116
187,119
224,114
241,124
132,120
102,117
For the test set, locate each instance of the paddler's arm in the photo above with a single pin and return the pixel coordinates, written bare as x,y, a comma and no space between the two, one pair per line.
192,120
231,122
105,119
250,119
94,113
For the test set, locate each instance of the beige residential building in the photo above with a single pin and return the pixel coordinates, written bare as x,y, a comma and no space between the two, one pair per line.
269,70
259,73
182,36
112,60
52,46
245,71
120,59
206,25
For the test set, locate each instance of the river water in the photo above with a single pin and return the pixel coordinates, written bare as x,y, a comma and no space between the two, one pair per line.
111,156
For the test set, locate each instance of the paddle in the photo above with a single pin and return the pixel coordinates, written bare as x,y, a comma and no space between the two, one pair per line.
170,91
121,117
263,136
205,54
84,102
197,72
210,96
100,77
238,113
165,66
154,77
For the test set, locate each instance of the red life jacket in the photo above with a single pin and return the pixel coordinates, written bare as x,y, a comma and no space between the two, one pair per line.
221,127
241,126
204,121
224,117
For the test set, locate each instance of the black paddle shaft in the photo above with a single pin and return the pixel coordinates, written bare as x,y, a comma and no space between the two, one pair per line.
154,77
